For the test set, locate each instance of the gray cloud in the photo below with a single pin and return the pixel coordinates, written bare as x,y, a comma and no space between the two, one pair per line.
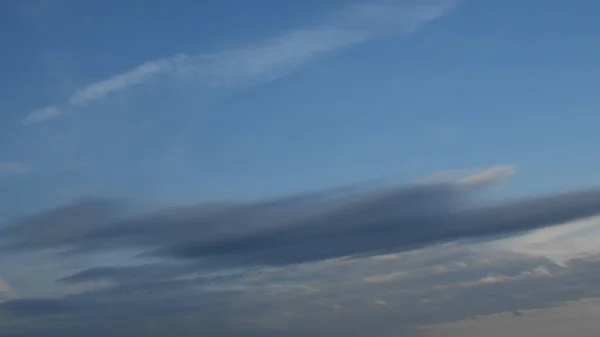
193,285
324,299
61,225
34,307
139,273
396,221
300,229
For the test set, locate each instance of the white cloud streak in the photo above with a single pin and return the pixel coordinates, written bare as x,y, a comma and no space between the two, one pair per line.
484,176
42,115
490,175
272,59
119,82
575,239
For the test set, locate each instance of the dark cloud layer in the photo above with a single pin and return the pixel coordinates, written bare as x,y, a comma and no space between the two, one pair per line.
62,225
297,229
446,284
396,222
34,307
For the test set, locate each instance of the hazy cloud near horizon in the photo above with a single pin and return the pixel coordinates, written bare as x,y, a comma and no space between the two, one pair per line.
301,264
409,293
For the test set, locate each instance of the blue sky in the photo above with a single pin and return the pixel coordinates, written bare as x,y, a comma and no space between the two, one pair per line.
208,104
480,83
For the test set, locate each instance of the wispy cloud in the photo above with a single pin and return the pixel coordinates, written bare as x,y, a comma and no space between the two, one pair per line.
491,174
123,81
14,167
42,115
271,59
484,176
331,296
575,239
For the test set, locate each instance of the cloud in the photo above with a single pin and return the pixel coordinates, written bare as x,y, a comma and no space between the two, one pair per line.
6,291
382,225
14,167
61,224
492,174
297,230
276,267
574,318
485,176
34,307
42,115
119,82
385,278
146,275
493,279
382,18
271,59
326,298
559,243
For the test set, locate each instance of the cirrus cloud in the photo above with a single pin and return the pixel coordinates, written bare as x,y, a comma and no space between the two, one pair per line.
269,60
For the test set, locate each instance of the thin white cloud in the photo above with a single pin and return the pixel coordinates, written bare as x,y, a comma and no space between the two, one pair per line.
406,274
14,167
493,279
489,175
483,176
270,60
392,16
119,82
385,278
275,57
560,243
381,302
42,115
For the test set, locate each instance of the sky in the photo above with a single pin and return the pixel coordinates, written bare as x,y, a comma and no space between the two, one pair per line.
257,168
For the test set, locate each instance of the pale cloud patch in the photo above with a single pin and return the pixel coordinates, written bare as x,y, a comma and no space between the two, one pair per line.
495,279
578,318
381,302
271,59
119,82
483,176
385,278
489,175
42,115
6,290
393,16
561,243
408,274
